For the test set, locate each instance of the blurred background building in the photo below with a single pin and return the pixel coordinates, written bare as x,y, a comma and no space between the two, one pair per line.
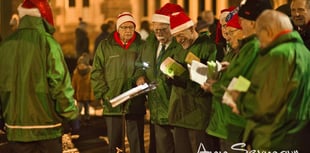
96,12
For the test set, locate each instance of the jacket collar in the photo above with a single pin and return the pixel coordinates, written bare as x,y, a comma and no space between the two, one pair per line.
284,38
32,22
118,40
247,39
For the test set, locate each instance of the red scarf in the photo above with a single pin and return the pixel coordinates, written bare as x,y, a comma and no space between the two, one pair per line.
118,40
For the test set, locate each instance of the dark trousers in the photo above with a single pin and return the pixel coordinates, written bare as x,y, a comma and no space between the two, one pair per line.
85,105
134,129
44,146
189,140
164,139
225,145
152,145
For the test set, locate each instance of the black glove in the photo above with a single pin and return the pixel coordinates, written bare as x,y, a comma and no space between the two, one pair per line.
2,125
176,81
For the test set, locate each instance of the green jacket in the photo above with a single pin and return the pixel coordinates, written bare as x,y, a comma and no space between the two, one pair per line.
35,87
277,103
158,100
225,124
113,73
190,107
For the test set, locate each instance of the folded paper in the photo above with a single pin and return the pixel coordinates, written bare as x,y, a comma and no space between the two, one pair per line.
138,90
200,72
239,84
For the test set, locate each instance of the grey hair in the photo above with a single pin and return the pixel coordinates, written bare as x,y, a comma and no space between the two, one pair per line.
280,21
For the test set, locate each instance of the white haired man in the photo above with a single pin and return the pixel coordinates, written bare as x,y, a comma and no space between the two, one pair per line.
276,105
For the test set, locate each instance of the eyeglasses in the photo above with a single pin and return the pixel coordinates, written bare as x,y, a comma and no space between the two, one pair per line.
127,27
161,30
231,32
224,25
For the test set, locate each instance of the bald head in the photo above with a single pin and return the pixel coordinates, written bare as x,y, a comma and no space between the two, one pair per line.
267,31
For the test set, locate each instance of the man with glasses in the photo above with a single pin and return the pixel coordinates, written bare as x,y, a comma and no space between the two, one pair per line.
224,123
276,104
190,107
112,74
159,46
221,124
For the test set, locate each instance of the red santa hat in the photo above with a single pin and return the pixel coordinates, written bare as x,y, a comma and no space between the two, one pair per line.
233,19
162,15
38,8
179,21
125,17
228,9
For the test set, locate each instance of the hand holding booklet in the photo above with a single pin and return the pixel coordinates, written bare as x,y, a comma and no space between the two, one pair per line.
138,90
171,68
200,72
239,84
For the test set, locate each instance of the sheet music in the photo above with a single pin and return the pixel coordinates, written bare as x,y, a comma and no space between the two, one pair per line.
198,72
131,93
